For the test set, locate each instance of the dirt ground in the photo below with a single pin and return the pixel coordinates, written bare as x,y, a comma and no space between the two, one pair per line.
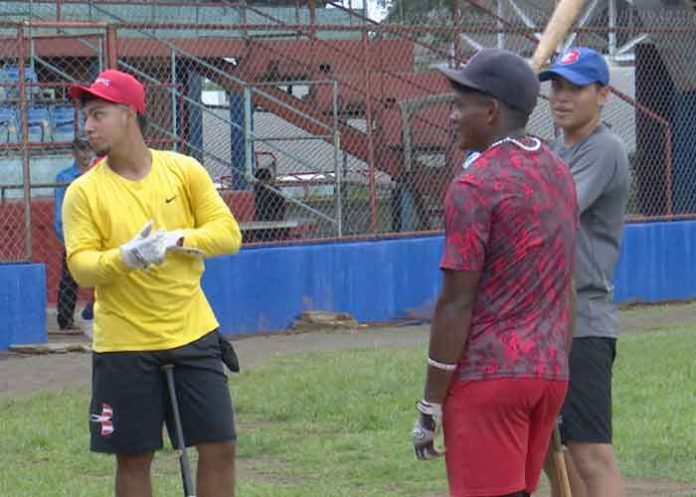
23,375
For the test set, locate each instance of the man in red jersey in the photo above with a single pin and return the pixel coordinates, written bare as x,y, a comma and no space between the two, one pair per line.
498,358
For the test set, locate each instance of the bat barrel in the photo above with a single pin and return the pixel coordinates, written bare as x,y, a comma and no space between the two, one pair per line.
559,24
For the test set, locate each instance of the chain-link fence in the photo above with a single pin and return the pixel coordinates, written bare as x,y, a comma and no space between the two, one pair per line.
38,123
316,122
650,48
323,100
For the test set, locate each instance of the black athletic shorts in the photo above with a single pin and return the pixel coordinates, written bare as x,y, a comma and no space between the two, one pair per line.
130,399
586,413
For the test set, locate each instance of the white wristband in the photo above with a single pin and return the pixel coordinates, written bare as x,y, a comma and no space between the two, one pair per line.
441,365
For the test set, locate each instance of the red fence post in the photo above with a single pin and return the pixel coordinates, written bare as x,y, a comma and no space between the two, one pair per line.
111,47
456,39
26,166
312,17
370,131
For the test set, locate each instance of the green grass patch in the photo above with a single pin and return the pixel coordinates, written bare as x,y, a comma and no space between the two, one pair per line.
337,424
655,404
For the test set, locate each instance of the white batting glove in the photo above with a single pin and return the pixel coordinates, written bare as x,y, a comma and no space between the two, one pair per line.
145,249
426,428
172,239
173,242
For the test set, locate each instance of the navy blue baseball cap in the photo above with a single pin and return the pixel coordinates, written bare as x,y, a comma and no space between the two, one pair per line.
500,74
579,65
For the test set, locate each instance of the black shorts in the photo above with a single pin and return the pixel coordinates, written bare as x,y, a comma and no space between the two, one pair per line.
130,401
586,413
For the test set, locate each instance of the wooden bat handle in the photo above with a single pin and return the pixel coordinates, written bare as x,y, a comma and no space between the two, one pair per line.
562,474
559,462
561,21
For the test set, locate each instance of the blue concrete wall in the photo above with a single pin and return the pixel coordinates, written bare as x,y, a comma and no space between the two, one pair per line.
263,289
658,263
22,304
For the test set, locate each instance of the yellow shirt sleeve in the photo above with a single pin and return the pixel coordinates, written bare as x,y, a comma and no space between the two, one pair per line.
89,264
216,232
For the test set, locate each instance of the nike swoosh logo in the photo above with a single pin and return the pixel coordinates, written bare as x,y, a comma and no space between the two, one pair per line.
167,200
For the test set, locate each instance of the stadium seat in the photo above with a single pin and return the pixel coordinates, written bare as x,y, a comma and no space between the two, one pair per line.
38,122
63,123
8,125
9,77
10,73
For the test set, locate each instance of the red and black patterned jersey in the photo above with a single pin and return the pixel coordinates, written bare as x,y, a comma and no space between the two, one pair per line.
512,216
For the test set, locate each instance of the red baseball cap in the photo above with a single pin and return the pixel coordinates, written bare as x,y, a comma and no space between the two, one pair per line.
116,87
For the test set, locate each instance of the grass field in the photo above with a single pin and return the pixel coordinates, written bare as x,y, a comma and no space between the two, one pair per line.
336,424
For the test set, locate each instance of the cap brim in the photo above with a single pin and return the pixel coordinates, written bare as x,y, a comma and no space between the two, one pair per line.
456,76
77,91
566,73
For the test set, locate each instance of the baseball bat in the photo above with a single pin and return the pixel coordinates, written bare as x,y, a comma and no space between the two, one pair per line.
559,24
559,464
184,466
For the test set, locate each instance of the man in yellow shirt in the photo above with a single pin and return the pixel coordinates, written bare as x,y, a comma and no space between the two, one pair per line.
150,309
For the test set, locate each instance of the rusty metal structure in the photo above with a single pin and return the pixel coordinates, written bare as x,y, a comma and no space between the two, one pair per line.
348,113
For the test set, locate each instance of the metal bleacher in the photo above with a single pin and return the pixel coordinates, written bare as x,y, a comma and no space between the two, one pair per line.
8,125
62,122
47,121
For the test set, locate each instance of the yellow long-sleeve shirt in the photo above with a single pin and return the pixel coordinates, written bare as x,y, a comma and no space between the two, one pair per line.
163,307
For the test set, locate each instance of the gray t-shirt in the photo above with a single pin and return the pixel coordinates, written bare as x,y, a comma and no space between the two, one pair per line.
599,164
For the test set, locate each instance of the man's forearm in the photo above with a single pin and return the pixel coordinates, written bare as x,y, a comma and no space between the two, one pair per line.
219,237
448,336
92,268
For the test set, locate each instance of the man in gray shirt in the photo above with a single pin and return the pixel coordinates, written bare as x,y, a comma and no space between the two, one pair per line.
599,164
